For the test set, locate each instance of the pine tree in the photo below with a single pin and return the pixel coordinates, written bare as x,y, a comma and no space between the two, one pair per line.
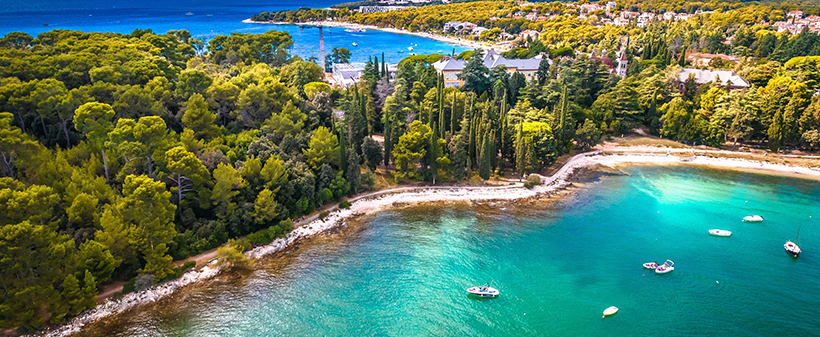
73,295
682,59
484,164
90,290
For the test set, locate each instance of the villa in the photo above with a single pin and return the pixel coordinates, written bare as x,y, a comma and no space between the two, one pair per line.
347,74
451,67
721,77
702,59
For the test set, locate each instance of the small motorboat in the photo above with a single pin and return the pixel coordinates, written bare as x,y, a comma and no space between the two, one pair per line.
665,267
483,291
753,218
189,13
355,44
610,311
650,265
719,232
410,48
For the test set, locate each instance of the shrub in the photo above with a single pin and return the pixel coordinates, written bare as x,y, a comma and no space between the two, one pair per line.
129,286
324,215
532,181
286,225
143,282
178,271
345,204
262,237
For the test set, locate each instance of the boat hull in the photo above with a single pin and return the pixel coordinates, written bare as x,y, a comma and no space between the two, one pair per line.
610,311
486,292
719,232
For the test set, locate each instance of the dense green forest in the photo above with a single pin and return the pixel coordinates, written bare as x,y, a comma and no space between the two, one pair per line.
123,152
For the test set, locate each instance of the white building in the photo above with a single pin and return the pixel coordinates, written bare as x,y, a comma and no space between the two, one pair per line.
451,68
347,74
374,9
720,77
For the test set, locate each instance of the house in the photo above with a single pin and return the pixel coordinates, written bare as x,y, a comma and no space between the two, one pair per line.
531,33
610,5
795,14
644,19
478,30
347,74
452,24
629,15
374,9
721,77
450,68
702,59
621,22
531,16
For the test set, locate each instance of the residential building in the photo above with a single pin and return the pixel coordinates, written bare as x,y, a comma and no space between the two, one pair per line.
721,77
620,22
347,74
478,30
451,68
702,59
795,14
374,9
533,34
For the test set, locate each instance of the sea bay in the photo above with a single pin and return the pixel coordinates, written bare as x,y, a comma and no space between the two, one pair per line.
207,19
403,272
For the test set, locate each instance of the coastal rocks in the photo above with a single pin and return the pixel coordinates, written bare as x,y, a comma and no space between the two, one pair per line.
337,218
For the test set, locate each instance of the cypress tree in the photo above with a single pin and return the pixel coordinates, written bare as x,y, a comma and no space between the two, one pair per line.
378,69
682,59
433,151
519,149
484,164
388,141
472,146
352,173
384,68
453,116
342,150
493,151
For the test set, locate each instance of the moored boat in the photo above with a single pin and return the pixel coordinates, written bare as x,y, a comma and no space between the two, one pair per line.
355,44
753,218
610,311
650,265
719,232
483,291
665,267
792,248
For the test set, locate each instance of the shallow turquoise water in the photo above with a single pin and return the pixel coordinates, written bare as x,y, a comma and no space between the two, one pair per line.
403,273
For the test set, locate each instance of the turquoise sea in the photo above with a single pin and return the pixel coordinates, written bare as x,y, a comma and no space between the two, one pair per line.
558,265
208,18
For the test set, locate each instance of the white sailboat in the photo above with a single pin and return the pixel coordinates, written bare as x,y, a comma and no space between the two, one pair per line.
719,232
791,247
753,218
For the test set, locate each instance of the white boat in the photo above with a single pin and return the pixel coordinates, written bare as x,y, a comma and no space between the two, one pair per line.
753,218
665,267
610,311
410,48
650,265
791,247
719,232
355,44
483,291
189,13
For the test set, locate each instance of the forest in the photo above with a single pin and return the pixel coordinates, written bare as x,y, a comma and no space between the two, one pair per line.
123,152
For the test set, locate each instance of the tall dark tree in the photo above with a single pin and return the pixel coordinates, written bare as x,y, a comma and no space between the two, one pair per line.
475,74
484,163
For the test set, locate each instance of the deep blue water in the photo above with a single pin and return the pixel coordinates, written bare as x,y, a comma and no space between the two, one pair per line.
210,18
